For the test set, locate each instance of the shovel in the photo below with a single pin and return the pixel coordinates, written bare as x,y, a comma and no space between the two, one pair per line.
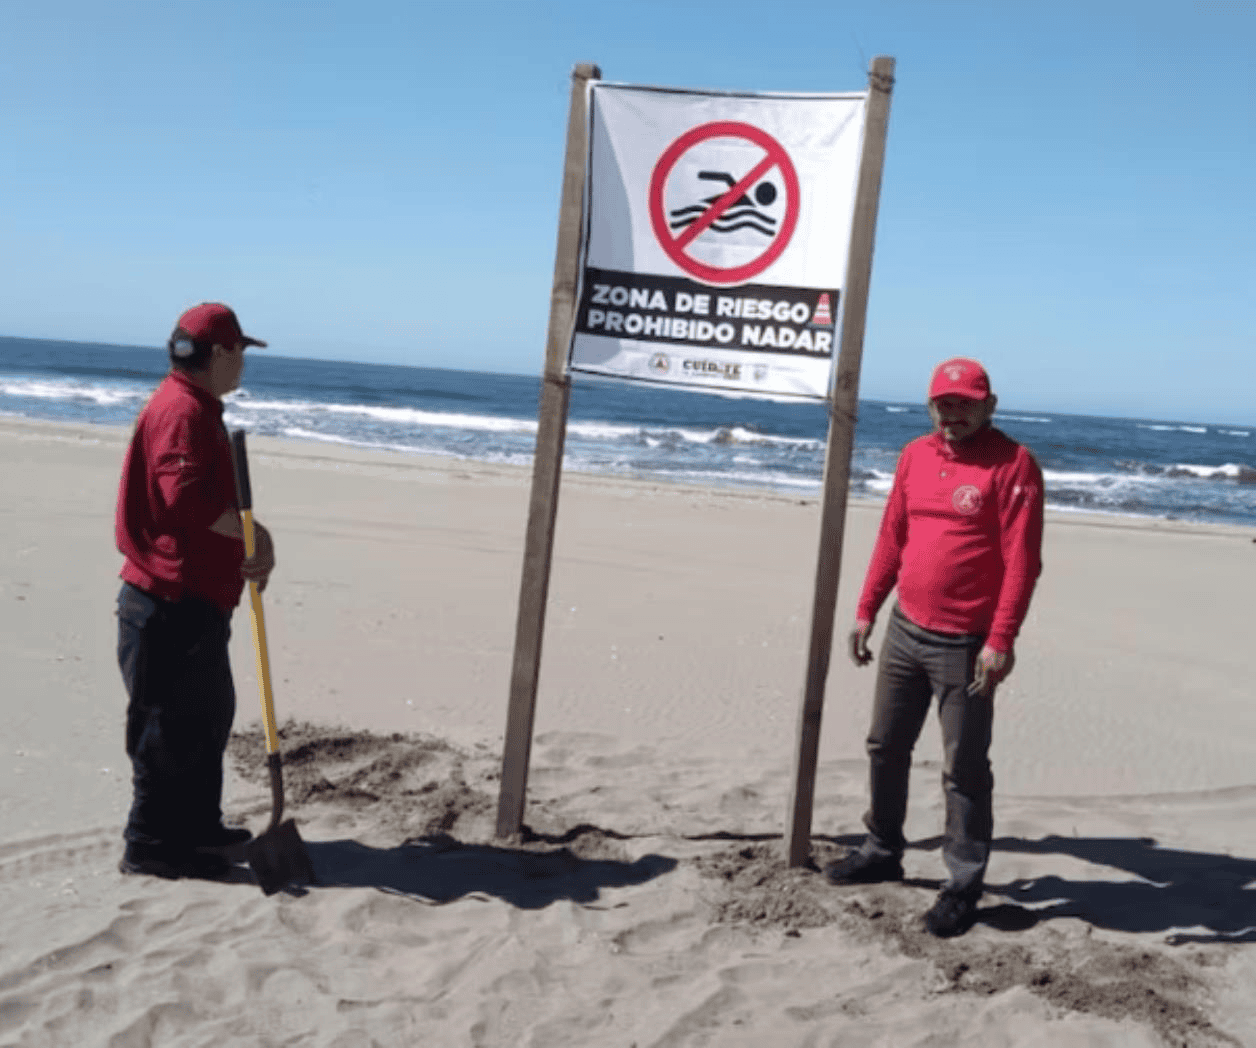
278,856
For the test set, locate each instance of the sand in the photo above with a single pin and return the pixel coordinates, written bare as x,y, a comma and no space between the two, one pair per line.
647,903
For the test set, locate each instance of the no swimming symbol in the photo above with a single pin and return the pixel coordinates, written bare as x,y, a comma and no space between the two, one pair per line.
749,222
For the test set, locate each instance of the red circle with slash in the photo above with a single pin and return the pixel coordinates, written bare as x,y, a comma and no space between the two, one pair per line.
675,246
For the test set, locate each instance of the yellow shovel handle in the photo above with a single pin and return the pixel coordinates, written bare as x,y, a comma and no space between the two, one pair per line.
259,642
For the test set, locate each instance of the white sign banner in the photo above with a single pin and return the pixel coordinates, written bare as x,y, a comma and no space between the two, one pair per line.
717,232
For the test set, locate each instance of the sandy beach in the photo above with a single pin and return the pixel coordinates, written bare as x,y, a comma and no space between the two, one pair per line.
648,904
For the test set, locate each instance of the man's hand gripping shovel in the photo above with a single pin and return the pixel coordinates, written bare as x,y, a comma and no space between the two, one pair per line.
278,856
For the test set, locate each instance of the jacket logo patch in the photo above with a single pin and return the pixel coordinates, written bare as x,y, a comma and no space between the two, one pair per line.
967,500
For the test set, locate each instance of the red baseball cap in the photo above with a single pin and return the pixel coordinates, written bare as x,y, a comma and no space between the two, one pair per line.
959,377
216,323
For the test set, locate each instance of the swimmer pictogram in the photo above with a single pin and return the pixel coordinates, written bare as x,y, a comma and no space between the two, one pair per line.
703,233
742,214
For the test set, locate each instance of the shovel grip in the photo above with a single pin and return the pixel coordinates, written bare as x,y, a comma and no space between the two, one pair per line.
240,466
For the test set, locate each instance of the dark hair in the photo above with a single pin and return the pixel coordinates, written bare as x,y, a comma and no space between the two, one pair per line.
180,356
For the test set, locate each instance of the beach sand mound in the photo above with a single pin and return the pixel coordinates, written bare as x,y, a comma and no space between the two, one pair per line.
623,915
422,794
1094,977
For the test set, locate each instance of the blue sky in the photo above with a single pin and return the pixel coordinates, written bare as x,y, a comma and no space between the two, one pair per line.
1068,192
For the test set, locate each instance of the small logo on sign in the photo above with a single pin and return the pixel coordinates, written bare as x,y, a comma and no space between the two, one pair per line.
967,499
659,364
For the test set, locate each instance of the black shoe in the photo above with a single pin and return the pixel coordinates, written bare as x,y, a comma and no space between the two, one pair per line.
952,914
207,866
152,861
172,863
858,868
221,836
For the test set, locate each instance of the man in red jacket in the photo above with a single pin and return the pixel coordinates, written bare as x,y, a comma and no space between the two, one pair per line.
179,530
961,538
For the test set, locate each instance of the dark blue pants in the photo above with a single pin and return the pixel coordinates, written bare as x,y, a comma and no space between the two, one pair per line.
916,664
173,657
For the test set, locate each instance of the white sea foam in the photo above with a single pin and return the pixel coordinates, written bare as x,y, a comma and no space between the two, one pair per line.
657,436
1164,427
588,430
105,396
1229,469
332,438
297,432
758,478
718,446
606,431
396,416
1099,481
880,482
741,435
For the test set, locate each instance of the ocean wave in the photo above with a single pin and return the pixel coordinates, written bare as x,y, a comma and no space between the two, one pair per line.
878,483
1159,469
1121,500
1236,471
676,436
243,406
105,396
1095,480
1171,427
394,415
753,436
372,445
740,478
1228,471
613,431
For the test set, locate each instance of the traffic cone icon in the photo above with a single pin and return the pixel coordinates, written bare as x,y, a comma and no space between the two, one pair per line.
823,316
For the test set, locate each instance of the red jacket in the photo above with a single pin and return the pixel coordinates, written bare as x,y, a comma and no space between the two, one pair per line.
176,481
961,537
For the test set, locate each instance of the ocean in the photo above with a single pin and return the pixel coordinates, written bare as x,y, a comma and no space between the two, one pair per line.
1131,467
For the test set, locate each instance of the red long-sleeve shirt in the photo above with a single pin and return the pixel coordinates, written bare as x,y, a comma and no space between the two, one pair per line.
176,481
961,537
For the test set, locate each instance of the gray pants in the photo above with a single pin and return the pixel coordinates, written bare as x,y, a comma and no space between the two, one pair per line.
916,664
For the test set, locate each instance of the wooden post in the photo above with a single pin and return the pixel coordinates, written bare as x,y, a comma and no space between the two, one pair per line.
546,468
843,409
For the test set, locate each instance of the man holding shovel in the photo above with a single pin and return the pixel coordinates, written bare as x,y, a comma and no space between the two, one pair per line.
178,528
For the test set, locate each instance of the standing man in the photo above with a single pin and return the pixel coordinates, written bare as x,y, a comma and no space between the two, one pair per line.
178,528
961,538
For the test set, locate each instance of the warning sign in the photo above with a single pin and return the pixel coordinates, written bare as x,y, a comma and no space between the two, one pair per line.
717,232
742,204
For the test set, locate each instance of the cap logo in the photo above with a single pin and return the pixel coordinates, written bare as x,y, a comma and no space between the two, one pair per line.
954,372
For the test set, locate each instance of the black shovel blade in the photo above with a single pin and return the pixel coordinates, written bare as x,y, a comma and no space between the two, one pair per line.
279,858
